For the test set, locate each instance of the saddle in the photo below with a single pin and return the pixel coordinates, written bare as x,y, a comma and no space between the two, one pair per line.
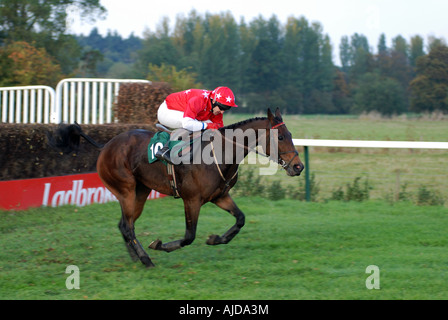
175,139
162,128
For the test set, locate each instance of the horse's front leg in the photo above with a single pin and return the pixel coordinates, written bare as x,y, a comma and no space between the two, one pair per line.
227,203
192,209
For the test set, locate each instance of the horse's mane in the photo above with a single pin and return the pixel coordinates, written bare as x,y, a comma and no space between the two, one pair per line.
244,122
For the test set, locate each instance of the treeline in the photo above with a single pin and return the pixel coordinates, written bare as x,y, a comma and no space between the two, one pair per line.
265,61
110,56
290,65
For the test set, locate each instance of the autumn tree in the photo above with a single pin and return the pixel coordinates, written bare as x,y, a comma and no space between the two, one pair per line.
23,64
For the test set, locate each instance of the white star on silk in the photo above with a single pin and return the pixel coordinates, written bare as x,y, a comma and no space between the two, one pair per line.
229,99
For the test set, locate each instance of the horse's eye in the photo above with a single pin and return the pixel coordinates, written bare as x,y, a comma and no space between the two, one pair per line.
281,138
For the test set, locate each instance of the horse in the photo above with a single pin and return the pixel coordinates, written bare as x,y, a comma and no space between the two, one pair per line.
124,169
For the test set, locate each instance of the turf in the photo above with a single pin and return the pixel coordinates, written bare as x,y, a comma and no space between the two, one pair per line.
288,250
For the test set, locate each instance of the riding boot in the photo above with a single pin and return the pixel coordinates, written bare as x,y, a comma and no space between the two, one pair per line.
164,154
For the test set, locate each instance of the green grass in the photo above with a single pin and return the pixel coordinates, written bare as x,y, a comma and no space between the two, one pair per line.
287,250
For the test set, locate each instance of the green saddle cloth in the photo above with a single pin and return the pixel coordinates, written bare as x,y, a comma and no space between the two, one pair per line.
159,140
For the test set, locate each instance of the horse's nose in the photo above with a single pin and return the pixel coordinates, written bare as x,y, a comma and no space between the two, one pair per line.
299,168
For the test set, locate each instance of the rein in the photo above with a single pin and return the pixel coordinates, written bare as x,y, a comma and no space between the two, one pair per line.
281,161
219,169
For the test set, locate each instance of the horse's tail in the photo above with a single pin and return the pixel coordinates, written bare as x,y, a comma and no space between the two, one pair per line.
68,137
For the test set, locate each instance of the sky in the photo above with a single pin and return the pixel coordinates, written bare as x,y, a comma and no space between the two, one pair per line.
338,17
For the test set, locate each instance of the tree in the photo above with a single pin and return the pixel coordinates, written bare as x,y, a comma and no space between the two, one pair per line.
416,50
44,22
400,68
247,47
345,54
264,68
376,93
220,52
382,46
22,19
89,61
23,64
341,93
362,58
178,80
158,48
383,58
430,87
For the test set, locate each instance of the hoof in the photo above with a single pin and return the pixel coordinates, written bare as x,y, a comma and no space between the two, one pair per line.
155,245
214,240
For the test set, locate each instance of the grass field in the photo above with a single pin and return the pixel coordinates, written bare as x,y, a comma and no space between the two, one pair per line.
288,250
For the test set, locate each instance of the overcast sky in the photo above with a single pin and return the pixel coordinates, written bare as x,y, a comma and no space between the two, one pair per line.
338,17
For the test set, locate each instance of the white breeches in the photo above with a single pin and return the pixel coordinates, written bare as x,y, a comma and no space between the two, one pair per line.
170,118
174,119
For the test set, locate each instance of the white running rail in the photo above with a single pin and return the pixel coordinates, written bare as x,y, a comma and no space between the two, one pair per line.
371,144
29,104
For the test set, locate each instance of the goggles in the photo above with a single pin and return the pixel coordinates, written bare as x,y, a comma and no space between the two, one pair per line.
222,107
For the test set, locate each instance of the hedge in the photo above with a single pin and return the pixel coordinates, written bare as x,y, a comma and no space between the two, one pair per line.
25,153
139,102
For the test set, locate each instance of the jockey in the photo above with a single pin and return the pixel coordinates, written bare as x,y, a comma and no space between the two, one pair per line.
194,110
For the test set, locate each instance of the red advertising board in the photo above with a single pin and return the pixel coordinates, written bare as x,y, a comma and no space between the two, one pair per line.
78,190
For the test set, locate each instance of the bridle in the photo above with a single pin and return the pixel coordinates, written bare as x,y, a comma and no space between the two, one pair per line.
280,161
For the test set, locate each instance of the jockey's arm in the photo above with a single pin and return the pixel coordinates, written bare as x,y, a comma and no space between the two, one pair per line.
189,121
193,124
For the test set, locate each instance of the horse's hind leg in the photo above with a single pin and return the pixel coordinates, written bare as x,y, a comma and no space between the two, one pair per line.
131,208
227,203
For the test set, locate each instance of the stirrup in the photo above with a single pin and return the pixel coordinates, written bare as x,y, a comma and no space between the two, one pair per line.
164,155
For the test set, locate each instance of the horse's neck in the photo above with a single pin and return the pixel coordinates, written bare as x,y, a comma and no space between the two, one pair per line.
256,124
259,127
246,136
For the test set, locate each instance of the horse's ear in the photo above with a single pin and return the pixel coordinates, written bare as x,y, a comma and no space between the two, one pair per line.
270,115
278,114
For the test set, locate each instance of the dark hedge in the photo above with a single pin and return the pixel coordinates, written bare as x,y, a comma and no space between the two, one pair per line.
25,153
139,102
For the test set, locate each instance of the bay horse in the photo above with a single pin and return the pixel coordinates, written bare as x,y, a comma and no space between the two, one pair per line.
124,169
